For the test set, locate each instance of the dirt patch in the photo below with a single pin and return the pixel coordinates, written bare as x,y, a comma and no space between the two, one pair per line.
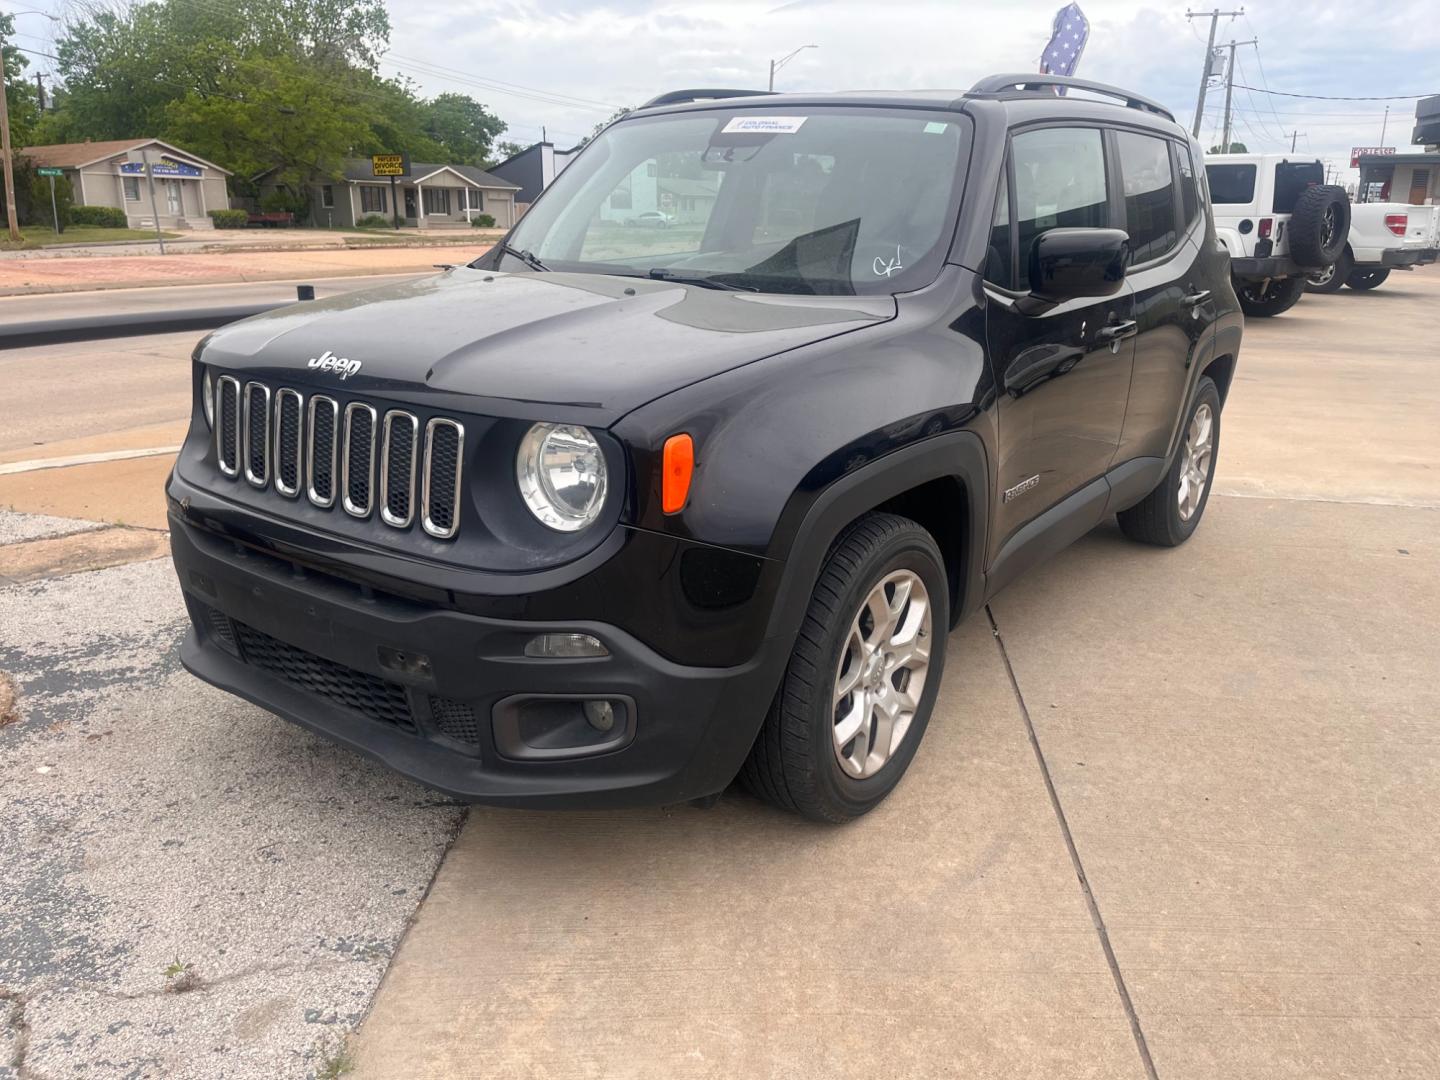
9,702
93,550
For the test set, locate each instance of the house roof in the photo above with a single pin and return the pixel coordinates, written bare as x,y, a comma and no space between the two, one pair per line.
679,185
359,169
79,155
536,146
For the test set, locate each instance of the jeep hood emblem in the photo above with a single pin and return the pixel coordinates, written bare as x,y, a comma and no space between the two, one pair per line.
328,361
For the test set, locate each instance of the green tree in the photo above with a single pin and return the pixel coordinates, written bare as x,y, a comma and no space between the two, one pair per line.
1235,148
463,127
19,92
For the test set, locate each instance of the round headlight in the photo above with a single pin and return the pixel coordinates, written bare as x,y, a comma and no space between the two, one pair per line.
207,394
561,471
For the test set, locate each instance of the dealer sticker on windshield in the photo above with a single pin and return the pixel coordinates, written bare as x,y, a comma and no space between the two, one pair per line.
764,125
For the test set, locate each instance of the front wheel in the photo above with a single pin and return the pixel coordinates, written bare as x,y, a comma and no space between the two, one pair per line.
1169,514
1262,299
1365,280
863,676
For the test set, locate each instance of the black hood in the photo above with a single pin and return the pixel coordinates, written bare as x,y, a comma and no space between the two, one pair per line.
595,345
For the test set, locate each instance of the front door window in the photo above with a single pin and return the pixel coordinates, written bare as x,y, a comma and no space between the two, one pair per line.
172,198
410,202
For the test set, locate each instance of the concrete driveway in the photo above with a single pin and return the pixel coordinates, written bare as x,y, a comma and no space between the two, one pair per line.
1175,820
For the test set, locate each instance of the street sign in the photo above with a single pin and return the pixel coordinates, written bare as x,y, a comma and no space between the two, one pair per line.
1369,151
50,172
389,164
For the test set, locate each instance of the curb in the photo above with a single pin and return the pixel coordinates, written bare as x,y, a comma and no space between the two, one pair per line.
133,324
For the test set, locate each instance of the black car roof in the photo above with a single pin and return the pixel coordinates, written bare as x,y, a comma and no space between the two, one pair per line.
1020,106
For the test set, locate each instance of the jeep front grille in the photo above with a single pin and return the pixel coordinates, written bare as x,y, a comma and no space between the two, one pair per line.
362,456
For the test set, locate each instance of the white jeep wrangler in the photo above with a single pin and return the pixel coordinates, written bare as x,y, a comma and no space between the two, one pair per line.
1384,236
1279,221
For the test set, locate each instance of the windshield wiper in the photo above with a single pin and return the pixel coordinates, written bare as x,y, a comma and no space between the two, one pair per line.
661,274
527,257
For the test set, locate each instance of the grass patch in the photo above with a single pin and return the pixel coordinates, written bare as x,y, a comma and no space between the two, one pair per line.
42,236
335,1061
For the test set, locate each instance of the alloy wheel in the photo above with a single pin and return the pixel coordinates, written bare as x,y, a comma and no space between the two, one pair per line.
1195,462
881,674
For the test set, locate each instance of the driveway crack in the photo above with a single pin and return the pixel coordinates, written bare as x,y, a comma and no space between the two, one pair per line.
20,1027
1079,867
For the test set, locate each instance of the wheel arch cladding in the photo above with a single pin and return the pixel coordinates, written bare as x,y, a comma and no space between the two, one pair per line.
941,482
1220,371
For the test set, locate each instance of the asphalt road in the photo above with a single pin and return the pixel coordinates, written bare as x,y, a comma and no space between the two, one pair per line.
1173,817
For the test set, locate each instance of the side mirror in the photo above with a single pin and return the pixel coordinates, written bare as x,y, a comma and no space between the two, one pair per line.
1066,264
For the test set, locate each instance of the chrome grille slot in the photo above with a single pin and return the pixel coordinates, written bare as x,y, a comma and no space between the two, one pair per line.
397,469
255,434
288,434
320,450
227,425
358,460
440,486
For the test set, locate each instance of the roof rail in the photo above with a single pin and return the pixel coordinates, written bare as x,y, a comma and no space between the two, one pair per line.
1008,86
680,97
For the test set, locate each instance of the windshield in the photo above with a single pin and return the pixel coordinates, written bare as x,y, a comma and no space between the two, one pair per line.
826,201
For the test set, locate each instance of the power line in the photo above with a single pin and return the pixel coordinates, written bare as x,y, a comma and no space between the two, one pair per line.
1336,97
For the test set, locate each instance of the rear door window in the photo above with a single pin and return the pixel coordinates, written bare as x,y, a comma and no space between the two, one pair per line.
1293,177
1149,195
1059,183
1234,184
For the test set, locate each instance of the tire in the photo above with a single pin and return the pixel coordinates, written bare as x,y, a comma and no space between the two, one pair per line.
795,763
1365,280
1276,296
1161,518
1320,226
1333,277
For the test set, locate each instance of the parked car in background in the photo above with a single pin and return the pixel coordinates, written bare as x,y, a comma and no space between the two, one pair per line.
1279,221
1383,237
652,219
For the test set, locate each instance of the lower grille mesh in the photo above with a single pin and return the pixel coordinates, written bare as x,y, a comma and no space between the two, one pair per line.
455,719
376,698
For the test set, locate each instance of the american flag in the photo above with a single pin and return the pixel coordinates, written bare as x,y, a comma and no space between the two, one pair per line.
1067,42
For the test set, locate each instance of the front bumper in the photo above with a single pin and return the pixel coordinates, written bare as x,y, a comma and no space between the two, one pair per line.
319,650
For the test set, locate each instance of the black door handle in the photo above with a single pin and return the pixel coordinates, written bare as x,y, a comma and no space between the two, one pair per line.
1117,331
1196,298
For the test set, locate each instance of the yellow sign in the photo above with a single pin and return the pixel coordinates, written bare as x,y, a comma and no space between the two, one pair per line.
389,165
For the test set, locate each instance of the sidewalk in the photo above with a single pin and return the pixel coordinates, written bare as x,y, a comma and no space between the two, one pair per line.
83,272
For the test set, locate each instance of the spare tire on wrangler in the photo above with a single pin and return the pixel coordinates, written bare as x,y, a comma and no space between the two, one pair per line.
1320,226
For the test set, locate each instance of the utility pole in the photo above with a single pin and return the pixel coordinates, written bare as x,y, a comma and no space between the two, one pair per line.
1230,90
10,214
1214,18
1295,135
154,205
776,65
1384,124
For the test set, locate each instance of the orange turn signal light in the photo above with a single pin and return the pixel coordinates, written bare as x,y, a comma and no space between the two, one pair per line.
677,465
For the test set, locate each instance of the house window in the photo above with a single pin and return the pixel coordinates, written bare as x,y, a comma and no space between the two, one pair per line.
437,200
132,188
327,196
372,199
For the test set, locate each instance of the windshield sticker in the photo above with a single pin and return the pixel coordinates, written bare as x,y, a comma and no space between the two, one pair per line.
763,125
884,267
935,127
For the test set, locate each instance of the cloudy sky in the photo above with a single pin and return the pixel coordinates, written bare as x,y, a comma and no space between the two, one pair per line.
566,64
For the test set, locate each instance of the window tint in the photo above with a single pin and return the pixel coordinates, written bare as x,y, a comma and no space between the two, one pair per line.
1189,184
1231,183
1291,178
997,262
1059,183
1149,195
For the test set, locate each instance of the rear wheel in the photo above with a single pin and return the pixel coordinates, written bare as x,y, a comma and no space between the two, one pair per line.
1262,299
1365,280
1331,278
1169,514
862,680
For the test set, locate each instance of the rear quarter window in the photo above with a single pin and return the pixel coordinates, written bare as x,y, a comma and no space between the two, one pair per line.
1291,178
1231,183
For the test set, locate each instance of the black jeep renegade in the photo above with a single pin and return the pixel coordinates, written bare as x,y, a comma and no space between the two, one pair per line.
690,476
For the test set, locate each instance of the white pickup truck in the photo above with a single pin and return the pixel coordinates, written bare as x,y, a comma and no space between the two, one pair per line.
1383,237
1279,221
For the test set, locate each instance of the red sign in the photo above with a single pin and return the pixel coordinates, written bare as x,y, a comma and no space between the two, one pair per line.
1369,151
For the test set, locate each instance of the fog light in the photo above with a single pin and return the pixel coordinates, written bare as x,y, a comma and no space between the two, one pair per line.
600,714
565,646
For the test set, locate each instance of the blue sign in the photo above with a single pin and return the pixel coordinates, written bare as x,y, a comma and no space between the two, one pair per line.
166,166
